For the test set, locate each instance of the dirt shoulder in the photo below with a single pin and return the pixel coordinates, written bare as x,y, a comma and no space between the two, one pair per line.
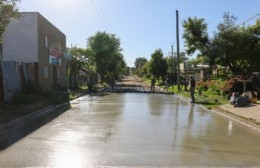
133,81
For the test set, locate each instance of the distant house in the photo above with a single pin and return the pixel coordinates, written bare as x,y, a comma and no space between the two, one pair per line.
200,71
33,39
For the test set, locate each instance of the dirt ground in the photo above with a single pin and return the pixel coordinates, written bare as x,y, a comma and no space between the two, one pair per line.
134,81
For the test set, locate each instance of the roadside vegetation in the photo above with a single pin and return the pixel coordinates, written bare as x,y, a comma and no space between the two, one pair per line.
211,93
207,97
232,49
8,11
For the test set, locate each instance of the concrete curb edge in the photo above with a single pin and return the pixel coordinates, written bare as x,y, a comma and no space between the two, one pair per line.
14,130
228,115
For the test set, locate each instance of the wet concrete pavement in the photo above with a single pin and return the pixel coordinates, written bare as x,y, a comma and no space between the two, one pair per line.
136,130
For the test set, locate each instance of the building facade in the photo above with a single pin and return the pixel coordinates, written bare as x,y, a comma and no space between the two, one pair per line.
33,39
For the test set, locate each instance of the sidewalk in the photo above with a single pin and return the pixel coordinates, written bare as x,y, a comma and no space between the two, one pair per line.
249,113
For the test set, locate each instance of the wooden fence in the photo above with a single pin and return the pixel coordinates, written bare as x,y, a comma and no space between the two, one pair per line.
14,76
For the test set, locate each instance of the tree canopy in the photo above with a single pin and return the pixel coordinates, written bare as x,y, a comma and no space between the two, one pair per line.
232,45
8,10
107,53
195,35
158,65
172,62
236,47
82,58
140,63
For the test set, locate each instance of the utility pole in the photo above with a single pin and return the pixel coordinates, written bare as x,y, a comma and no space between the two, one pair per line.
172,61
178,49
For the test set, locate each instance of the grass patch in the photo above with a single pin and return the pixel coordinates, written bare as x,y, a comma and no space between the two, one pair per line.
208,99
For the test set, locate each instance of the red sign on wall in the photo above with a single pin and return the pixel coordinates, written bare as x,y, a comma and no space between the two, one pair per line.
55,53
55,56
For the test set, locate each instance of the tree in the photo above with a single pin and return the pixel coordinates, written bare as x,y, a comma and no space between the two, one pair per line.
255,47
108,57
236,47
8,11
81,58
198,60
147,70
195,35
233,46
117,66
140,61
255,29
139,66
158,65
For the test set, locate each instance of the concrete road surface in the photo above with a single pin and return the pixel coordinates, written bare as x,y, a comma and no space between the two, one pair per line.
136,130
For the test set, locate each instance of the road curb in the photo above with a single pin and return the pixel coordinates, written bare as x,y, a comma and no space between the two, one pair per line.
14,130
250,123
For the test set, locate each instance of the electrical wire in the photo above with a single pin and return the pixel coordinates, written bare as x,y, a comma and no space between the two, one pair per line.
243,23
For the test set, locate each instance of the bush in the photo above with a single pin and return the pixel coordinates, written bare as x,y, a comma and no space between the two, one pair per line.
202,85
161,83
229,85
218,86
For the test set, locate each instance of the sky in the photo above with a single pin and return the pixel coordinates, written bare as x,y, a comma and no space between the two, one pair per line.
141,25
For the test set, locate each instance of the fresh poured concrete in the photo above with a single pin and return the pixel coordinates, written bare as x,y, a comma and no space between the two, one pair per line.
136,130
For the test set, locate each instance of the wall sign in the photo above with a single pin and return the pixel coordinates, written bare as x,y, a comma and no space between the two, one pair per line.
55,56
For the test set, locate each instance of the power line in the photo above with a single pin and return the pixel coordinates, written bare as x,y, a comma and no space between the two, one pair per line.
258,14
103,12
99,8
98,13
99,24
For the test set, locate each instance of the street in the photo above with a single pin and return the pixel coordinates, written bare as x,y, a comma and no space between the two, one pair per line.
136,130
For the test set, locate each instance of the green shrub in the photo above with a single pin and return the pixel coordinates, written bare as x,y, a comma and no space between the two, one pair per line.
161,83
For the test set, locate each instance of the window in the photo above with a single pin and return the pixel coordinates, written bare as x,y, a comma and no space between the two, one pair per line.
59,72
46,41
59,46
46,72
